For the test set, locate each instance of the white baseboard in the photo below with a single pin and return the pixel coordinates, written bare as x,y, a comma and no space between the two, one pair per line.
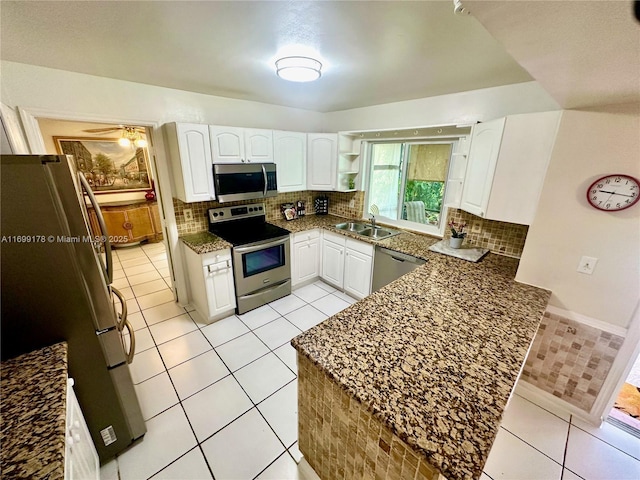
552,403
589,321
305,470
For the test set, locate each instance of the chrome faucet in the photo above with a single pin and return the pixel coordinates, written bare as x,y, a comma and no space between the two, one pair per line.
373,222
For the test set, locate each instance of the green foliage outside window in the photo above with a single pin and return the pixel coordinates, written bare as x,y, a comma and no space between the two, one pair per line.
431,193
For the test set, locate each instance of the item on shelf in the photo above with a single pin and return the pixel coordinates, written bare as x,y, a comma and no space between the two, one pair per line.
352,183
289,211
301,209
322,205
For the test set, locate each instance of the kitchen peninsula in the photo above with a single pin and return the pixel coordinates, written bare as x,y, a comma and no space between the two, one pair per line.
412,381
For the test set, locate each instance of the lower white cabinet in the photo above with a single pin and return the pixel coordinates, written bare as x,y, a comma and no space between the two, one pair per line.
210,275
81,460
305,263
347,264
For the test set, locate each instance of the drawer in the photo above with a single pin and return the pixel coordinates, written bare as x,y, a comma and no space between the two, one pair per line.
306,235
362,247
334,238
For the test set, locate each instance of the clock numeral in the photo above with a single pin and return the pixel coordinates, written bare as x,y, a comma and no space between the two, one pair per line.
627,201
600,185
607,181
634,187
618,205
633,194
608,205
595,197
600,202
618,180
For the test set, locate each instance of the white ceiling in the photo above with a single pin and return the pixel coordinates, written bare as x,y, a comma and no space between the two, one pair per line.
584,53
374,52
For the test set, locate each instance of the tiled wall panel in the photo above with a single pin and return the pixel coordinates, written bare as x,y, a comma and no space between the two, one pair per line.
570,359
340,438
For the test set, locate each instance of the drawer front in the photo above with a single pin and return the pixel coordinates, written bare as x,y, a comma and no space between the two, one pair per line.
306,235
362,247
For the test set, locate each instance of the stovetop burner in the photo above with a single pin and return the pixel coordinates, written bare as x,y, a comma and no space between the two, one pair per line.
243,224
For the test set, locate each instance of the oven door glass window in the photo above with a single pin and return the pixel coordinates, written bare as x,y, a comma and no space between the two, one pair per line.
262,260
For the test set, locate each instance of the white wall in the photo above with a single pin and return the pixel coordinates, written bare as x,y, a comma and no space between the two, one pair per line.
588,146
456,108
58,90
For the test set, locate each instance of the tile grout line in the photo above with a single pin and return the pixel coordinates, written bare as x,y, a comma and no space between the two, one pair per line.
532,446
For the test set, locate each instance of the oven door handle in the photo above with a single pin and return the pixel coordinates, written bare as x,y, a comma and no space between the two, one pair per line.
264,176
262,246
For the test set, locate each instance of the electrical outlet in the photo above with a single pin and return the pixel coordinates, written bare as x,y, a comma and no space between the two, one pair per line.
587,265
352,203
188,215
475,227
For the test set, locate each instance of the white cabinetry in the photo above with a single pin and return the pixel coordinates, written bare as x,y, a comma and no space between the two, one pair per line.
81,460
347,264
305,265
322,160
348,179
290,156
191,161
507,163
240,145
210,275
358,268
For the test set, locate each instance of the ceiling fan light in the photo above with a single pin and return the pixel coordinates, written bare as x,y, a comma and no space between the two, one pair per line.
298,69
140,143
124,142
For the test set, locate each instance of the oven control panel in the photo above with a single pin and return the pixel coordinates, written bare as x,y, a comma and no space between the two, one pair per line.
236,212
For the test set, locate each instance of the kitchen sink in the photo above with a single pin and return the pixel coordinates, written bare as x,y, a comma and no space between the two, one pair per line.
352,226
367,230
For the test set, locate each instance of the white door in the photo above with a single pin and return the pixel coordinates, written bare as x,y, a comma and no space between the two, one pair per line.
357,273
290,155
227,144
333,263
481,166
322,161
258,145
195,159
219,287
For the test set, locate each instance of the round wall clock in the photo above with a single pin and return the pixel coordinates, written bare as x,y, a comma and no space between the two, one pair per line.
614,192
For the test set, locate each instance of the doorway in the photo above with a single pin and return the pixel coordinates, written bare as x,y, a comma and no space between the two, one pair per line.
625,413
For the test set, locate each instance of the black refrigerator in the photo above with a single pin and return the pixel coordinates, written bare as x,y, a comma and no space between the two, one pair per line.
56,286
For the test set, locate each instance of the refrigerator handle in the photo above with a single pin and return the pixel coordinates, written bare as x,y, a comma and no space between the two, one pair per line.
122,317
103,225
132,341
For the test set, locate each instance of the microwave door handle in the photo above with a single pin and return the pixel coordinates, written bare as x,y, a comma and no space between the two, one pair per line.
262,246
103,225
264,176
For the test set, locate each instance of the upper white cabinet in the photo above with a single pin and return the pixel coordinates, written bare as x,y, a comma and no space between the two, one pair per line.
322,159
506,166
191,161
241,145
290,156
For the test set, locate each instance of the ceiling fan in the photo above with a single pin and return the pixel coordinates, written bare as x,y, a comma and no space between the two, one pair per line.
131,135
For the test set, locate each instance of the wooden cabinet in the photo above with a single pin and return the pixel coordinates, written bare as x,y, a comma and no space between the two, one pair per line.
290,156
506,166
347,264
81,460
322,159
241,145
210,275
305,261
358,268
190,154
129,223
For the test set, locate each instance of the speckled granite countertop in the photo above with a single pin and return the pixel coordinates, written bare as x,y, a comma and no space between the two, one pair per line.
204,242
435,354
34,410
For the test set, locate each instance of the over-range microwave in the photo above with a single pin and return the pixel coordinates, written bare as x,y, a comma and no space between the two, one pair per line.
242,181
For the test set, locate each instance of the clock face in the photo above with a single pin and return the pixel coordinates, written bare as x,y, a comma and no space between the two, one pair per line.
614,192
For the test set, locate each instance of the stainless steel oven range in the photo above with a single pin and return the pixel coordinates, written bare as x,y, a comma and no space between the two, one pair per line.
261,254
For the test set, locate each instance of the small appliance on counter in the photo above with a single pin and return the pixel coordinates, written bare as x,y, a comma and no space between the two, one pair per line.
301,209
322,205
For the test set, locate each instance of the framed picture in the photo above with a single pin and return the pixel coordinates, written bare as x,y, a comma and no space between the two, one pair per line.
108,166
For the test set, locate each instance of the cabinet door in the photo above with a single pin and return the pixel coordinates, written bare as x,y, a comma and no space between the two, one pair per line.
322,160
141,223
227,144
81,459
357,273
290,155
333,263
258,145
481,165
219,287
117,223
307,260
194,151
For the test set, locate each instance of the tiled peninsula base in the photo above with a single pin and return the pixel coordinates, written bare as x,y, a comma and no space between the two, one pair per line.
341,439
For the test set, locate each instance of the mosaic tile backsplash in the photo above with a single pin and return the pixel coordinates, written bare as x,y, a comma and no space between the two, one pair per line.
499,237
570,359
340,438
338,205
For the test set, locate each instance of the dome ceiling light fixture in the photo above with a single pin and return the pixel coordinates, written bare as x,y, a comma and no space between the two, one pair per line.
298,68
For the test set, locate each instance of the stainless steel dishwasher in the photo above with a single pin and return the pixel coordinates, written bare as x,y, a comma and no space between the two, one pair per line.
389,265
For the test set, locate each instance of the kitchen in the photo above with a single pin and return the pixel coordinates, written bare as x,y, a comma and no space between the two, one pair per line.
613,130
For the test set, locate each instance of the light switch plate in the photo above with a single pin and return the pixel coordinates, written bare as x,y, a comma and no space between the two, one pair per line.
587,265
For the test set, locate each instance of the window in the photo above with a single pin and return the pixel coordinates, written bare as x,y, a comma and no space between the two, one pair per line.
407,182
